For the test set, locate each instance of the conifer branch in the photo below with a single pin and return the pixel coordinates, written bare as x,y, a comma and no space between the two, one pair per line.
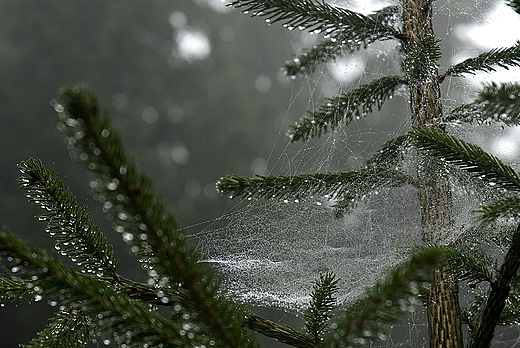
505,207
493,104
426,50
68,329
487,62
318,314
498,296
15,289
280,333
318,17
342,109
69,224
331,47
333,185
93,296
326,51
142,218
368,318
514,4
467,156
465,267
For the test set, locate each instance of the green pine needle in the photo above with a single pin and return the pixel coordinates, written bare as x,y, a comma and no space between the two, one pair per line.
342,109
148,225
330,48
487,62
507,207
468,157
68,329
317,17
116,313
514,4
327,185
425,49
69,224
494,103
466,267
369,317
323,301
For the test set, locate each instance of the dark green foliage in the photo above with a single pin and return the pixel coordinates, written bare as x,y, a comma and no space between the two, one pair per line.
368,318
342,109
144,221
467,267
426,50
89,296
493,104
467,156
318,17
318,314
69,224
508,207
487,62
514,4
331,47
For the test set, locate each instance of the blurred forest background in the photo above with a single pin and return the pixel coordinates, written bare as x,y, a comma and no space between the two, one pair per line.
195,89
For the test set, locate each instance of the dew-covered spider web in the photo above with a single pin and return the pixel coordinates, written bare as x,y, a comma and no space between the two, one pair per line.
270,251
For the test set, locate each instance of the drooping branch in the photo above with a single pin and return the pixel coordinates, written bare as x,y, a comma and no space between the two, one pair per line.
92,296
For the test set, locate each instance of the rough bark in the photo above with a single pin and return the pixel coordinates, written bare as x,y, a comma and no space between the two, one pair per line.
445,326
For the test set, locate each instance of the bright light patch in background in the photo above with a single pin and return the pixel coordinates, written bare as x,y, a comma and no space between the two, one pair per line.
263,84
347,69
192,45
493,32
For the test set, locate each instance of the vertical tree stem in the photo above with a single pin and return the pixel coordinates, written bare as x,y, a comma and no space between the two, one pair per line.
445,326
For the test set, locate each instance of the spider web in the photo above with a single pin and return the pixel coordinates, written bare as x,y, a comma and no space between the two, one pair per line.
270,251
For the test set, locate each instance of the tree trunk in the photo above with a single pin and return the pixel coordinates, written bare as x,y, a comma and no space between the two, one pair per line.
445,327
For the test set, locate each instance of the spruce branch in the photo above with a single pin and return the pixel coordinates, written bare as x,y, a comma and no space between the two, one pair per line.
329,185
466,156
69,224
143,219
505,207
93,296
342,109
330,48
279,332
514,4
426,50
462,265
494,103
487,62
68,329
500,289
318,314
318,17
369,317
15,290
